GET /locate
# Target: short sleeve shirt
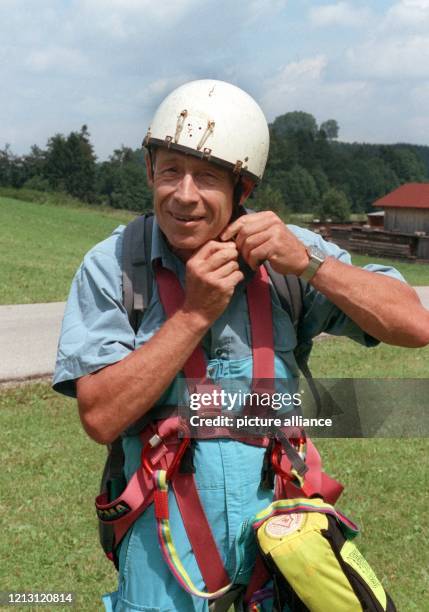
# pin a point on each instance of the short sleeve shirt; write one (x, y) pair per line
(96, 333)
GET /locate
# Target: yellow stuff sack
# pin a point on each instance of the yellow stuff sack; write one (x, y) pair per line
(308, 547)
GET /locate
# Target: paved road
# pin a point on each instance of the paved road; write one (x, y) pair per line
(28, 340)
(29, 335)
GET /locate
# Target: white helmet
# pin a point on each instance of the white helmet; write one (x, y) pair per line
(216, 121)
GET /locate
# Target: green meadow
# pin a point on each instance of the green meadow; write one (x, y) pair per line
(51, 469)
(43, 242)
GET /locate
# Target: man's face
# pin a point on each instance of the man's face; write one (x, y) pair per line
(193, 200)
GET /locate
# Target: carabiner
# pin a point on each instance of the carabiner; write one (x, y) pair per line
(176, 459)
(276, 456)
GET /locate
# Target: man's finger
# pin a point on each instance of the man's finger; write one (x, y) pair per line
(253, 241)
(234, 278)
(247, 224)
(225, 270)
(232, 230)
(220, 258)
(259, 254)
(213, 246)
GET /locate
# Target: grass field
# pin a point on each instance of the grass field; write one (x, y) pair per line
(50, 469)
(416, 274)
(342, 358)
(50, 474)
(42, 245)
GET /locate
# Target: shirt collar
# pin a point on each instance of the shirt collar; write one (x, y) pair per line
(161, 250)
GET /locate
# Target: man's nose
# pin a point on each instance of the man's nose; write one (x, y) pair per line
(187, 191)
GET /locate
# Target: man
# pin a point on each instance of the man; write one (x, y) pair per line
(208, 146)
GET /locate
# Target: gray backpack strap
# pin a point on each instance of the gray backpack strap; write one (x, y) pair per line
(113, 482)
(136, 295)
(137, 275)
(290, 290)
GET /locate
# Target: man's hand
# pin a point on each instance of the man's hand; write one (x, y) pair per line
(212, 274)
(264, 237)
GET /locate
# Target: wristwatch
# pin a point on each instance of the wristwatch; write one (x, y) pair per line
(317, 257)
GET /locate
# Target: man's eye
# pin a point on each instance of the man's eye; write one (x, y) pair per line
(208, 176)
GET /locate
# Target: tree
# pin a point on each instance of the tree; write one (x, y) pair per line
(6, 157)
(268, 198)
(334, 206)
(80, 180)
(70, 164)
(297, 121)
(35, 164)
(123, 180)
(299, 190)
(407, 166)
(331, 129)
(57, 162)
(366, 179)
(321, 180)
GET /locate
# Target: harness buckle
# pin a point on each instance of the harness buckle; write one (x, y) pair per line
(297, 444)
(155, 441)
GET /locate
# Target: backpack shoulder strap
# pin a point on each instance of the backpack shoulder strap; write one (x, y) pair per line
(136, 295)
(136, 269)
(290, 290)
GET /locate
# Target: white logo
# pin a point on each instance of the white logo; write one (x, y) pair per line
(283, 525)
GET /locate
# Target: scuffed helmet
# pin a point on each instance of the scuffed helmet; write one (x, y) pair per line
(216, 121)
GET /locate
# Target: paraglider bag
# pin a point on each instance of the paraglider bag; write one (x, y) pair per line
(307, 545)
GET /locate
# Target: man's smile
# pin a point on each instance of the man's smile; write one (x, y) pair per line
(186, 218)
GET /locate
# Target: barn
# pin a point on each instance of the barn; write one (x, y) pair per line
(406, 209)
(400, 230)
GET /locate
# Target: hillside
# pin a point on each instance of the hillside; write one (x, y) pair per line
(42, 246)
(309, 170)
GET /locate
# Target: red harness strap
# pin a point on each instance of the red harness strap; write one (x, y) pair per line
(261, 323)
(172, 296)
(194, 519)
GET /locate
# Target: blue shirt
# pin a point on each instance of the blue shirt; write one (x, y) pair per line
(96, 333)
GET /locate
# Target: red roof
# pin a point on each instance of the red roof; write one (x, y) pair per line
(411, 195)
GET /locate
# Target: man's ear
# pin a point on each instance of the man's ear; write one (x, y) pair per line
(149, 169)
(247, 188)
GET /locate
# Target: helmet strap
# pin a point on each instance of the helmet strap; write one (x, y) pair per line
(238, 192)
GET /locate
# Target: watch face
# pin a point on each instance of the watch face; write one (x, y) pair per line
(316, 253)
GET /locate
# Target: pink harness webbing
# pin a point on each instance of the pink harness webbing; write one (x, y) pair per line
(193, 515)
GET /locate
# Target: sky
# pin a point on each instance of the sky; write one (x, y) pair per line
(109, 63)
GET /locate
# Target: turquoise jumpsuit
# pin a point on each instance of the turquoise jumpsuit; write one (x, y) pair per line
(96, 333)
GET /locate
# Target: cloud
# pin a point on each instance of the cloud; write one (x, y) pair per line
(398, 45)
(58, 59)
(257, 9)
(119, 19)
(404, 57)
(412, 15)
(156, 90)
(339, 14)
(109, 63)
(304, 85)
